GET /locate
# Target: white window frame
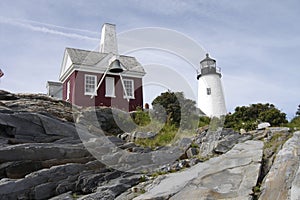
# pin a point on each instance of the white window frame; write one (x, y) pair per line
(93, 91)
(132, 88)
(110, 87)
(68, 89)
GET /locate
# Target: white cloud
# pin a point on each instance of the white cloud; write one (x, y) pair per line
(44, 29)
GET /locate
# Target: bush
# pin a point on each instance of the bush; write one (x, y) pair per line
(141, 118)
(298, 111)
(203, 121)
(295, 123)
(248, 117)
(179, 111)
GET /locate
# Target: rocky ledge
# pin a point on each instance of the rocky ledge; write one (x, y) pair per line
(45, 153)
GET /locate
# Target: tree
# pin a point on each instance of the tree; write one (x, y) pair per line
(179, 110)
(298, 111)
(248, 117)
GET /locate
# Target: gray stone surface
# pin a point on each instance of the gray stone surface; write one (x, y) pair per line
(113, 188)
(142, 135)
(295, 189)
(42, 151)
(64, 196)
(35, 127)
(219, 141)
(236, 173)
(282, 181)
(41, 156)
(191, 152)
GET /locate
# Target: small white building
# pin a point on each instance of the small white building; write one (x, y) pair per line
(54, 89)
(211, 99)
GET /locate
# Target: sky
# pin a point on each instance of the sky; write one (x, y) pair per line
(256, 43)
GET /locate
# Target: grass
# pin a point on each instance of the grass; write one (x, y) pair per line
(277, 140)
(165, 137)
(158, 173)
(167, 134)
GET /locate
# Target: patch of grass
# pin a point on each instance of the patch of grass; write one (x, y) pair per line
(142, 191)
(277, 140)
(75, 196)
(141, 118)
(194, 145)
(167, 135)
(143, 178)
(256, 191)
(164, 137)
(158, 173)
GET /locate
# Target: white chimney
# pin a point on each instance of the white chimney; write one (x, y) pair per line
(108, 42)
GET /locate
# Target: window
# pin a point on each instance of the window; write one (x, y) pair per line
(68, 89)
(129, 87)
(110, 87)
(90, 85)
(208, 91)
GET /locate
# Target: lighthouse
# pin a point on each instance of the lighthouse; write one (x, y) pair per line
(210, 92)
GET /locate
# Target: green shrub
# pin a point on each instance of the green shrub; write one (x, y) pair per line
(141, 118)
(295, 123)
(179, 111)
(248, 117)
(203, 121)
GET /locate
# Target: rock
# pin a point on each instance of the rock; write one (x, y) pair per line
(279, 129)
(128, 146)
(43, 157)
(236, 173)
(35, 127)
(242, 131)
(141, 149)
(191, 152)
(263, 125)
(19, 169)
(4, 95)
(45, 151)
(37, 103)
(113, 188)
(39, 182)
(142, 135)
(109, 120)
(219, 141)
(64, 196)
(88, 182)
(259, 134)
(44, 191)
(132, 137)
(207, 142)
(295, 189)
(125, 136)
(281, 182)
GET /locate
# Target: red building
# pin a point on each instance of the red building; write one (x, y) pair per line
(87, 80)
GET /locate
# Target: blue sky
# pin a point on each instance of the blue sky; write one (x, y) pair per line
(256, 43)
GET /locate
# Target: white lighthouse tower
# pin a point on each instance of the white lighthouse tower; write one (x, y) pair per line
(210, 92)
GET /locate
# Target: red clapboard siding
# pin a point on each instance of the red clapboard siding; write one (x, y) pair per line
(77, 96)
